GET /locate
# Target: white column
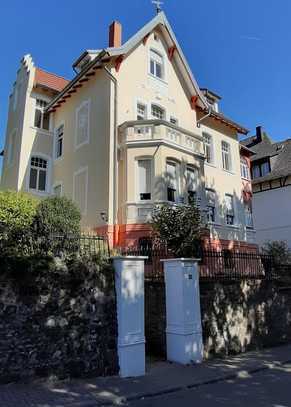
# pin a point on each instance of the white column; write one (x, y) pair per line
(129, 282)
(184, 331)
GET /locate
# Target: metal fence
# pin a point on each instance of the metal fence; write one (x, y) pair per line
(82, 244)
(214, 265)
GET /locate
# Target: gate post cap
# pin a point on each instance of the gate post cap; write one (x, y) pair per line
(129, 257)
(183, 259)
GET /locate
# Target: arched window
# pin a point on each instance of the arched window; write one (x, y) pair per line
(38, 174)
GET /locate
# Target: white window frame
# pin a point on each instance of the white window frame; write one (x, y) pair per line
(11, 147)
(224, 153)
(48, 174)
(163, 65)
(211, 147)
(76, 173)
(144, 158)
(230, 213)
(160, 107)
(87, 140)
(209, 205)
(195, 170)
(244, 169)
(42, 99)
(177, 164)
(140, 102)
(57, 184)
(56, 139)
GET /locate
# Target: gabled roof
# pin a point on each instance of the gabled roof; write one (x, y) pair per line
(49, 80)
(161, 21)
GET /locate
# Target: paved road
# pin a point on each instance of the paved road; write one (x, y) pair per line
(268, 388)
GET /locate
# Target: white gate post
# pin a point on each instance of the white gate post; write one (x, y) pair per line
(129, 282)
(184, 331)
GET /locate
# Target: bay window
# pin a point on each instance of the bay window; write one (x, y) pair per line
(144, 179)
(158, 112)
(141, 111)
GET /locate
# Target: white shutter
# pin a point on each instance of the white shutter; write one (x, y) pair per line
(144, 176)
(172, 175)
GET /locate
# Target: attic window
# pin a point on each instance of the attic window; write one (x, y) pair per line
(157, 66)
(156, 37)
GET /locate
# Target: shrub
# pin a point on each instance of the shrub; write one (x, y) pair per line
(179, 227)
(279, 250)
(56, 217)
(17, 212)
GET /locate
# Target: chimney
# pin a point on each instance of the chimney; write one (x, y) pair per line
(115, 35)
(259, 134)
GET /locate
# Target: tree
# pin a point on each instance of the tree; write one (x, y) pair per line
(17, 212)
(279, 250)
(179, 227)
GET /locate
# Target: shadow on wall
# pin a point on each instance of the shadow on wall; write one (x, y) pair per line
(242, 315)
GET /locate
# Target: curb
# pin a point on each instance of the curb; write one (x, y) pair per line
(123, 400)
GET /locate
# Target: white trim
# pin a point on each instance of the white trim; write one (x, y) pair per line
(48, 174)
(58, 184)
(45, 99)
(161, 107)
(87, 141)
(140, 101)
(62, 123)
(78, 172)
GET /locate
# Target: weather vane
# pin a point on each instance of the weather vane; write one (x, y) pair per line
(158, 4)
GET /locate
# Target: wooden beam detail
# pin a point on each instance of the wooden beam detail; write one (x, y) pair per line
(145, 39)
(77, 86)
(171, 52)
(90, 74)
(84, 80)
(118, 62)
(193, 102)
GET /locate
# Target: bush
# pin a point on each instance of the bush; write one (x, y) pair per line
(17, 212)
(179, 227)
(279, 250)
(56, 217)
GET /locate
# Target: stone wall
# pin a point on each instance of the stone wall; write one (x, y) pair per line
(236, 316)
(57, 319)
(239, 316)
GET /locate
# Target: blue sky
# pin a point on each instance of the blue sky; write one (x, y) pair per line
(239, 49)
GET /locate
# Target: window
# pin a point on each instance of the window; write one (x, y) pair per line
(157, 68)
(171, 173)
(82, 124)
(141, 111)
(191, 180)
(144, 179)
(261, 169)
(11, 147)
(80, 189)
(244, 168)
(229, 209)
(174, 121)
(57, 190)
(38, 174)
(226, 158)
(208, 147)
(158, 112)
(210, 196)
(41, 119)
(59, 141)
(248, 214)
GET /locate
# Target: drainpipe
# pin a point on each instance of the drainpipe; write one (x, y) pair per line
(115, 191)
(204, 117)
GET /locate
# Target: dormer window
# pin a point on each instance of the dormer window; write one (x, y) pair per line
(157, 67)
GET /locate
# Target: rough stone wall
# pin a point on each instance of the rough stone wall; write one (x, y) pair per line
(53, 322)
(239, 316)
(236, 316)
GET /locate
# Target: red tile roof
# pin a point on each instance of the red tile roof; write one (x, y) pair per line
(49, 80)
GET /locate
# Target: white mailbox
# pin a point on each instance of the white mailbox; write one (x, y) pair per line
(184, 331)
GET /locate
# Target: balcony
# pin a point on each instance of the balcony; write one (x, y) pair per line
(160, 131)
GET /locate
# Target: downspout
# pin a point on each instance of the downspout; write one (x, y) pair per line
(204, 117)
(115, 175)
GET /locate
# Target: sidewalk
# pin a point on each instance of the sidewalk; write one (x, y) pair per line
(161, 378)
